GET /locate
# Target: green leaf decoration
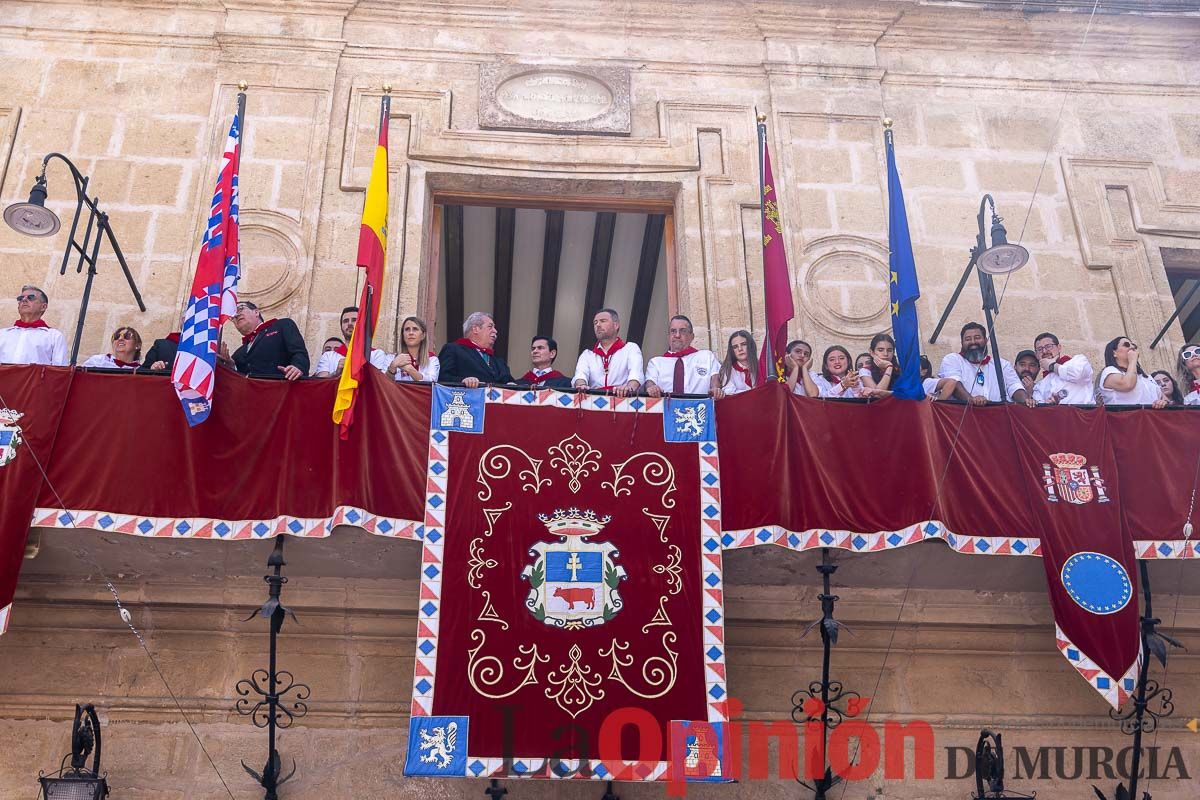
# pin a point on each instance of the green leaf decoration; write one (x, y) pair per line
(538, 576)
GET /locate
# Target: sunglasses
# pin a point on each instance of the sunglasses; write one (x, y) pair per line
(123, 335)
(23, 297)
(1191, 352)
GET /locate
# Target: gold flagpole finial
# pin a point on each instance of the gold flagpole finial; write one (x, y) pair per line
(762, 118)
(387, 88)
(242, 86)
(887, 123)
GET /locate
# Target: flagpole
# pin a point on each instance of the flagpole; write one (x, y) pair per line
(241, 115)
(768, 356)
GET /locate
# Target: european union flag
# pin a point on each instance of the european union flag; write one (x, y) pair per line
(902, 286)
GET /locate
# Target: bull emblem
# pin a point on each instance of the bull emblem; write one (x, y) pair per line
(573, 582)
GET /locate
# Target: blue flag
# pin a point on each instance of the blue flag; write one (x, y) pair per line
(902, 286)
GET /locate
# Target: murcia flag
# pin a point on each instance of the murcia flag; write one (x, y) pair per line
(372, 253)
(214, 289)
(777, 282)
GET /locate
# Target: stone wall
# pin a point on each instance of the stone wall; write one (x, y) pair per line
(993, 97)
(1084, 129)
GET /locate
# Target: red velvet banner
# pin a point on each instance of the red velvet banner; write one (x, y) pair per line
(572, 592)
(797, 472)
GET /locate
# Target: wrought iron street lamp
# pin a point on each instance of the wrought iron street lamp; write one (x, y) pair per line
(77, 782)
(32, 218)
(1001, 258)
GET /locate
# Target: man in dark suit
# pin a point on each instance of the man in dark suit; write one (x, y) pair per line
(542, 375)
(269, 348)
(161, 354)
(470, 360)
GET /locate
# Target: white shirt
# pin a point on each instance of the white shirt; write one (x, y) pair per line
(1145, 392)
(331, 361)
(623, 366)
(1192, 398)
(736, 384)
(930, 386)
(33, 346)
(954, 365)
(698, 371)
(107, 361)
(830, 389)
(1072, 379)
(429, 372)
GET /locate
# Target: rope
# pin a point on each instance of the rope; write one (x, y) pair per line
(123, 612)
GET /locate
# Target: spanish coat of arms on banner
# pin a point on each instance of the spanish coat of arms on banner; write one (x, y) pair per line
(571, 574)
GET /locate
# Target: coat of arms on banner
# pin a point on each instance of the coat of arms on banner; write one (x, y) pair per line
(1070, 476)
(10, 435)
(573, 582)
(437, 746)
(455, 409)
(688, 421)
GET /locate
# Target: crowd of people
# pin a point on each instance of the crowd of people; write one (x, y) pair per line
(275, 348)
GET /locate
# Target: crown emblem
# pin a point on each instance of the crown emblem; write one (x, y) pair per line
(574, 522)
(9, 416)
(1068, 460)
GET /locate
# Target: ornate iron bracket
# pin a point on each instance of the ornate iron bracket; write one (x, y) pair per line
(1151, 701)
(989, 769)
(829, 696)
(264, 695)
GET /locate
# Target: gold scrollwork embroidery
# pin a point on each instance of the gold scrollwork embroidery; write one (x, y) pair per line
(488, 612)
(489, 670)
(660, 617)
(658, 672)
(575, 458)
(496, 465)
(578, 688)
(660, 522)
(657, 472)
(493, 515)
(672, 570)
(477, 563)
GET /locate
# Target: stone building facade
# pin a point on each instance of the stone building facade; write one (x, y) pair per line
(1080, 120)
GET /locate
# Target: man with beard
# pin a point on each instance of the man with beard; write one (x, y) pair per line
(1027, 367)
(613, 365)
(330, 362)
(1065, 379)
(972, 367)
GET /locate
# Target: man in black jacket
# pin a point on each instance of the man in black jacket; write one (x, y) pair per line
(471, 360)
(161, 354)
(269, 347)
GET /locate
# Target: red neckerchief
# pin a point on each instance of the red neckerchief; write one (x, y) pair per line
(1196, 386)
(534, 378)
(687, 351)
(745, 373)
(37, 323)
(1060, 361)
(121, 363)
(465, 342)
(173, 337)
(605, 358)
(249, 337)
(835, 380)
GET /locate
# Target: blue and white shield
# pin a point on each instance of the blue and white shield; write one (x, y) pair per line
(689, 421)
(437, 746)
(455, 409)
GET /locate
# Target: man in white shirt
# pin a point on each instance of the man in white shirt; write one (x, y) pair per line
(30, 340)
(329, 365)
(682, 369)
(1065, 379)
(612, 365)
(972, 367)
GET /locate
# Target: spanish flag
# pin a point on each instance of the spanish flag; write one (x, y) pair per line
(372, 255)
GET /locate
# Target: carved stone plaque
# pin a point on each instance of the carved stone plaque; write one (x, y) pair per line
(560, 99)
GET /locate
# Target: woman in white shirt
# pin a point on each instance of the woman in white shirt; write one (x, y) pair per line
(836, 378)
(415, 361)
(1189, 366)
(739, 370)
(126, 351)
(880, 372)
(1123, 381)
